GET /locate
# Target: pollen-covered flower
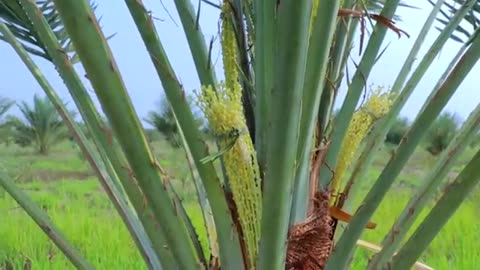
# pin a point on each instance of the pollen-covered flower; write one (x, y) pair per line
(224, 111)
(229, 48)
(362, 121)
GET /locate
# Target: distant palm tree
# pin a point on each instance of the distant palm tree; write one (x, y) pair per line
(5, 105)
(43, 126)
(164, 122)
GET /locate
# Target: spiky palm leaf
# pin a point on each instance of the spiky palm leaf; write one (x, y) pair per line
(472, 19)
(5, 105)
(14, 16)
(377, 6)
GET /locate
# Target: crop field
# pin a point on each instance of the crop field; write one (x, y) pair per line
(67, 189)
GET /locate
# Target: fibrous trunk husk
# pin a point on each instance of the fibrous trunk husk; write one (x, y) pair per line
(310, 242)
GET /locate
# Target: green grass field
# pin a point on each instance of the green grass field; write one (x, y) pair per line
(63, 184)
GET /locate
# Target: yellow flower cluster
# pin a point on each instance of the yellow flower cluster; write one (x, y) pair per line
(224, 111)
(362, 121)
(225, 114)
(229, 49)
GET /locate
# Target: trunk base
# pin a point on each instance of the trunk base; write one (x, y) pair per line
(310, 242)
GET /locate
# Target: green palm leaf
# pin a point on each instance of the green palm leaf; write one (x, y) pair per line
(14, 16)
(472, 19)
(377, 6)
(5, 105)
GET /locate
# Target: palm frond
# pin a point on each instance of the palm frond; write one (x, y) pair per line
(5, 105)
(376, 6)
(16, 19)
(472, 19)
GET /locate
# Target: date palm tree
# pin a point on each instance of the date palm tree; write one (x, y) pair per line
(163, 120)
(275, 202)
(5, 105)
(43, 126)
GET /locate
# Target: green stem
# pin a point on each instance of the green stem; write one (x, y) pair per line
(200, 190)
(417, 203)
(196, 42)
(330, 95)
(106, 180)
(407, 65)
(375, 139)
(455, 59)
(96, 127)
(42, 220)
(188, 222)
(318, 52)
(354, 92)
(248, 95)
(102, 71)
(229, 242)
(346, 243)
(340, 52)
(207, 218)
(199, 52)
(265, 50)
(345, 29)
(454, 195)
(301, 190)
(286, 107)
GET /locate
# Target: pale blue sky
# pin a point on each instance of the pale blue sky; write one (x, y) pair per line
(145, 88)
